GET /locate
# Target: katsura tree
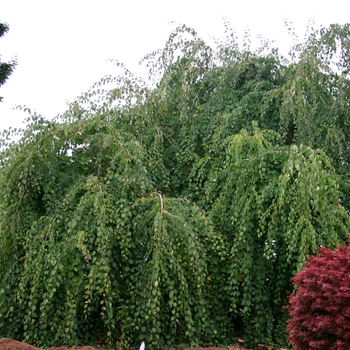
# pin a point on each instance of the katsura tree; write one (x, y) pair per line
(177, 209)
(89, 250)
(274, 205)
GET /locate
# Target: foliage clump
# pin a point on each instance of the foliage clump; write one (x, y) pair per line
(6, 68)
(320, 308)
(177, 210)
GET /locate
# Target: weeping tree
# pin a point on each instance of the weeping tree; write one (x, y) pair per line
(269, 203)
(177, 209)
(97, 252)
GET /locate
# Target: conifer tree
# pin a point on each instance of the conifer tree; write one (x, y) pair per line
(6, 68)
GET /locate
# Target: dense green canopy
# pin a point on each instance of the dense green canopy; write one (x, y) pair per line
(177, 210)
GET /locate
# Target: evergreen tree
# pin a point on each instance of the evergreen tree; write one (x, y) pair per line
(6, 68)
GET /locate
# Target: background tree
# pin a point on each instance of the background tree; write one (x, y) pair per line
(177, 210)
(6, 68)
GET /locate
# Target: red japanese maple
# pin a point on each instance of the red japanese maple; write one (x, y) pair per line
(320, 308)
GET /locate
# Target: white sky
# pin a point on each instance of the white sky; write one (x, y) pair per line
(62, 46)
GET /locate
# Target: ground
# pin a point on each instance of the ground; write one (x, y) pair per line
(10, 344)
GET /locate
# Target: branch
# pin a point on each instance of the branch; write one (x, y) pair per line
(161, 201)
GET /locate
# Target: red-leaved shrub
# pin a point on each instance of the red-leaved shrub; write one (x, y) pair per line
(320, 308)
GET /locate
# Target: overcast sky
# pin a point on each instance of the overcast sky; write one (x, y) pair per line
(63, 46)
